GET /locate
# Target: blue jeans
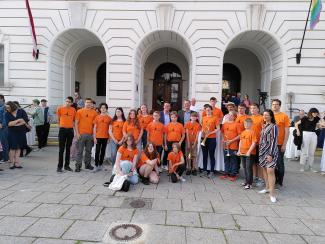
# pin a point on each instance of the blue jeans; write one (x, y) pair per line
(126, 167)
(4, 141)
(231, 163)
(114, 148)
(209, 148)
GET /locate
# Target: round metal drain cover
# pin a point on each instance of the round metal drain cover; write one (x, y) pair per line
(138, 203)
(126, 232)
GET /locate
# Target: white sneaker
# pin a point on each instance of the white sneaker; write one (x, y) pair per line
(273, 199)
(182, 179)
(164, 167)
(96, 169)
(263, 191)
(322, 173)
(160, 169)
(302, 170)
(313, 170)
(100, 168)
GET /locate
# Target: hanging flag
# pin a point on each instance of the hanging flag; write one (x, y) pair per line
(32, 31)
(316, 8)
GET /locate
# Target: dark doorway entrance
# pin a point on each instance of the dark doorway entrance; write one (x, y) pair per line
(231, 79)
(167, 87)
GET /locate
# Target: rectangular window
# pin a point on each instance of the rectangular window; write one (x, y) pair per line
(2, 74)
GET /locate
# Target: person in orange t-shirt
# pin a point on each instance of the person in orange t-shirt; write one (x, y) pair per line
(116, 132)
(210, 125)
(145, 119)
(247, 151)
(126, 160)
(84, 125)
(132, 127)
(283, 123)
(66, 116)
(101, 126)
(241, 116)
(176, 163)
(148, 164)
(155, 132)
(231, 131)
(192, 129)
(174, 132)
(217, 112)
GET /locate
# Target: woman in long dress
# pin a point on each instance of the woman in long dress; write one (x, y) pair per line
(268, 152)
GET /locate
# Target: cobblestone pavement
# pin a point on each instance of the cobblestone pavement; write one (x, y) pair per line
(38, 205)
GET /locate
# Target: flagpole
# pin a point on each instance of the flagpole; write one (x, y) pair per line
(298, 55)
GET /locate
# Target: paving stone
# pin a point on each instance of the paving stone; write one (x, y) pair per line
(244, 237)
(317, 226)
(212, 196)
(133, 192)
(4, 184)
(190, 187)
(108, 201)
(315, 213)
(181, 195)
(206, 236)
(110, 215)
(21, 196)
(183, 218)
(75, 180)
(283, 239)
(83, 212)
(18, 208)
(51, 197)
(49, 210)
(166, 204)
(314, 239)
(101, 190)
(79, 199)
(149, 216)
(197, 206)
(4, 193)
(86, 231)
(46, 227)
(289, 226)
(3, 203)
(16, 240)
(52, 179)
(258, 210)
(15, 225)
(235, 197)
(77, 188)
(253, 223)
(38, 187)
(229, 207)
(290, 212)
(54, 241)
(160, 234)
(212, 220)
(154, 193)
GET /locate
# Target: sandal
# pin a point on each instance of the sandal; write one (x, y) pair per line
(106, 184)
(12, 167)
(18, 167)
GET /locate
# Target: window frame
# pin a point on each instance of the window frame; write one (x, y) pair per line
(4, 41)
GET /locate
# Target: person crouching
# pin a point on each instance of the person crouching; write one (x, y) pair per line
(176, 163)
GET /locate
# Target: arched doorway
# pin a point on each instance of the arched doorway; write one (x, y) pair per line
(259, 58)
(74, 57)
(231, 79)
(167, 87)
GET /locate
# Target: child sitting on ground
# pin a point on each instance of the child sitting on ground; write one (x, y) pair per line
(176, 163)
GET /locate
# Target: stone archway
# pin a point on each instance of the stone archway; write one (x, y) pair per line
(64, 53)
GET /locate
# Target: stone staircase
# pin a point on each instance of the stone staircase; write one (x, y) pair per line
(53, 135)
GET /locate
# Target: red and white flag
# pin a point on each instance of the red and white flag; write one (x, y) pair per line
(32, 31)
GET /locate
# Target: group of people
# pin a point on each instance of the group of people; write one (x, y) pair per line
(144, 143)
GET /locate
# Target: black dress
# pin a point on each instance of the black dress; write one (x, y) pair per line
(16, 134)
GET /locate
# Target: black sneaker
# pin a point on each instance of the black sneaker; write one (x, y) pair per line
(194, 172)
(90, 167)
(67, 168)
(77, 169)
(59, 170)
(145, 181)
(28, 151)
(188, 172)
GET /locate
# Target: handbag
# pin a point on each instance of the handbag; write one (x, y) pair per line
(117, 182)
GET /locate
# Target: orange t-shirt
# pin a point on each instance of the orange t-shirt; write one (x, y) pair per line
(192, 130)
(247, 138)
(240, 120)
(144, 121)
(174, 158)
(282, 121)
(174, 131)
(85, 118)
(130, 128)
(230, 130)
(143, 160)
(66, 116)
(210, 124)
(127, 154)
(117, 129)
(156, 133)
(102, 124)
(217, 112)
(257, 125)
